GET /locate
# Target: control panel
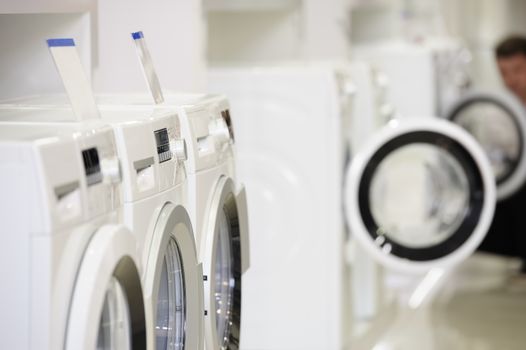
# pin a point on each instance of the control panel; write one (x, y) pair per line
(90, 158)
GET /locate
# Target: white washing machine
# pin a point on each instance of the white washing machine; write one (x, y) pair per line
(371, 290)
(497, 120)
(217, 206)
(71, 273)
(172, 275)
(154, 208)
(290, 143)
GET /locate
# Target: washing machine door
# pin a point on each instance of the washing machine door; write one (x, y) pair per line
(173, 283)
(225, 260)
(497, 120)
(107, 307)
(421, 194)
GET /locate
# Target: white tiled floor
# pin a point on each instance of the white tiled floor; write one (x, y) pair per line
(481, 306)
(493, 319)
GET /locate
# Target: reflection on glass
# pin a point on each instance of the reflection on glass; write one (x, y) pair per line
(419, 195)
(495, 129)
(171, 311)
(224, 280)
(115, 323)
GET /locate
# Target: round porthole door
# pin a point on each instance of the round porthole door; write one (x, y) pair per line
(224, 263)
(420, 194)
(497, 120)
(107, 307)
(173, 283)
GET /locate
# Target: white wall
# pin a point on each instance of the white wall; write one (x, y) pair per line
(174, 32)
(47, 6)
(326, 26)
(26, 65)
(253, 36)
(298, 30)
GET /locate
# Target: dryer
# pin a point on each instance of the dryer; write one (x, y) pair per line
(154, 208)
(71, 273)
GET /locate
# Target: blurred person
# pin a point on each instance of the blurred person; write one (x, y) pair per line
(511, 60)
(507, 234)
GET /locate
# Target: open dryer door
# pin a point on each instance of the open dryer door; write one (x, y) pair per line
(173, 283)
(223, 265)
(107, 309)
(421, 194)
(497, 120)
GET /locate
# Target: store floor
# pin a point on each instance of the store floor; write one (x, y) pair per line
(479, 306)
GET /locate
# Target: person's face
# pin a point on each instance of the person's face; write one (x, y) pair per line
(513, 71)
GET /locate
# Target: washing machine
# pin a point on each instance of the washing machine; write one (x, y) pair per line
(497, 120)
(291, 157)
(156, 207)
(154, 199)
(217, 206)
(172, 275)
(71, 272)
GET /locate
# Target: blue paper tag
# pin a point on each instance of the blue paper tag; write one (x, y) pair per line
(60, 42)
(137, 35)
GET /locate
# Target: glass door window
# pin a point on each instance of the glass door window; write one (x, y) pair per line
(224, 279)
(115, 323)
(171, 301)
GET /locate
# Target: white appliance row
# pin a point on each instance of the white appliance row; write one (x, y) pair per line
(416, 195)
(126, 230)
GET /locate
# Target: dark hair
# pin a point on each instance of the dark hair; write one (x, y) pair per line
(511, 46)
